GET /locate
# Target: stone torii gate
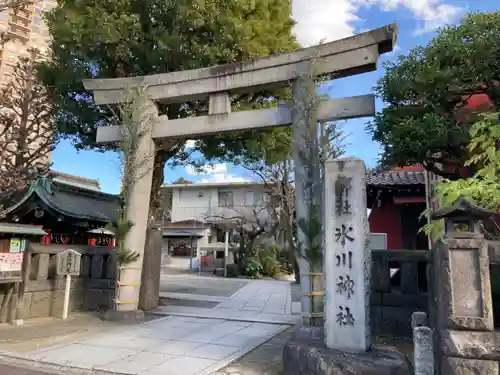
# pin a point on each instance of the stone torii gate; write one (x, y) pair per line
(354, 55)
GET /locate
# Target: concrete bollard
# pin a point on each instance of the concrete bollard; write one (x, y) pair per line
(423, 351)
(418, 319)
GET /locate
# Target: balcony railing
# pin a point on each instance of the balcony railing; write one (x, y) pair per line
(26, 16)
(214, 214)
(20, 24)
(18, 33)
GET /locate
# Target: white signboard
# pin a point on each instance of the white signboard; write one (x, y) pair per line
(11, 261)
(68, 263)
(378, 241)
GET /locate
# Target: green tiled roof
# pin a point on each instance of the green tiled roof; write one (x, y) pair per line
(21, 229)
(72, 201)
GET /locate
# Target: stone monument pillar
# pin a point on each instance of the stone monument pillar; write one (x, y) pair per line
(463, 294)
(347, 258)
(344, 347)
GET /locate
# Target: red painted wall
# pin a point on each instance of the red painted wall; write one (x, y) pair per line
(385, 219)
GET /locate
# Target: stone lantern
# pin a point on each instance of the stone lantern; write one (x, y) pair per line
(462, 292)
(462, 219)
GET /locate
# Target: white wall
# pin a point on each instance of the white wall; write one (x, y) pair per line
(200, 202)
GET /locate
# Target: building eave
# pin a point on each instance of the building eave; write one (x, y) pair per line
(49, 192)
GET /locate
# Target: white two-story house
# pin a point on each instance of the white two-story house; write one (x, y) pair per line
(199, 216)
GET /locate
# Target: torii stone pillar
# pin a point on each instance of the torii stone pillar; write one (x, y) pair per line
(350, 56)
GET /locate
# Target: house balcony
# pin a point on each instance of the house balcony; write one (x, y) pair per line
(219, 214)
(14, 30)
(20, 24)
(24, 15)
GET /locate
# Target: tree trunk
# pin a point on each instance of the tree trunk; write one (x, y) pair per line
(158, 177)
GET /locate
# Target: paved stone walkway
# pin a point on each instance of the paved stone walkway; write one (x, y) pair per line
(200, 285)
(190, 343)
(265, 301)
(264, 360)
(171, 346)
(9, 370)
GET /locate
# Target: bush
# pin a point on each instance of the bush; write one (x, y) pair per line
(271, 267)
(266, 261)
(284, 259)
(253, 267)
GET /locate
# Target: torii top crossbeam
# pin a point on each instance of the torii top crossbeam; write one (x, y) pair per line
(349, 56)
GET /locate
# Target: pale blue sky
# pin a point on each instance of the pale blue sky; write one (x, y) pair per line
(317, 20)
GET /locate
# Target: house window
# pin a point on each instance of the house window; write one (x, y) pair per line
(256, 198)
(225, 199)
(221, 235)
(249, 198)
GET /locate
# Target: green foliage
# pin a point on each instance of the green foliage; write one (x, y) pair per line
(264, 261)
(312, 248)
(181, 181)
(124, 256)
(124, 38)
(253, 267)
(425, 89)
(270, 264)
(484, 188)
(485, 135)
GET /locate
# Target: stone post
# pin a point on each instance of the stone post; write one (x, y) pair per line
(418, 319)
(463, 293)
(347, 256)
(145, 112)
(226, 250)
(151, 271)
(423, 352)
(305, 154)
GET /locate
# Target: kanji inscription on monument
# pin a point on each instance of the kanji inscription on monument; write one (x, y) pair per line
(342, 205)
(345, 285)
(347, 256)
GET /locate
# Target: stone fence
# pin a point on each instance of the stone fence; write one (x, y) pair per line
(44, 292)
(399, 288)
(494, 252)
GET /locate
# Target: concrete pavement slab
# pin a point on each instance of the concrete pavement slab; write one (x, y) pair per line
(198, 341)
(16, 370)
